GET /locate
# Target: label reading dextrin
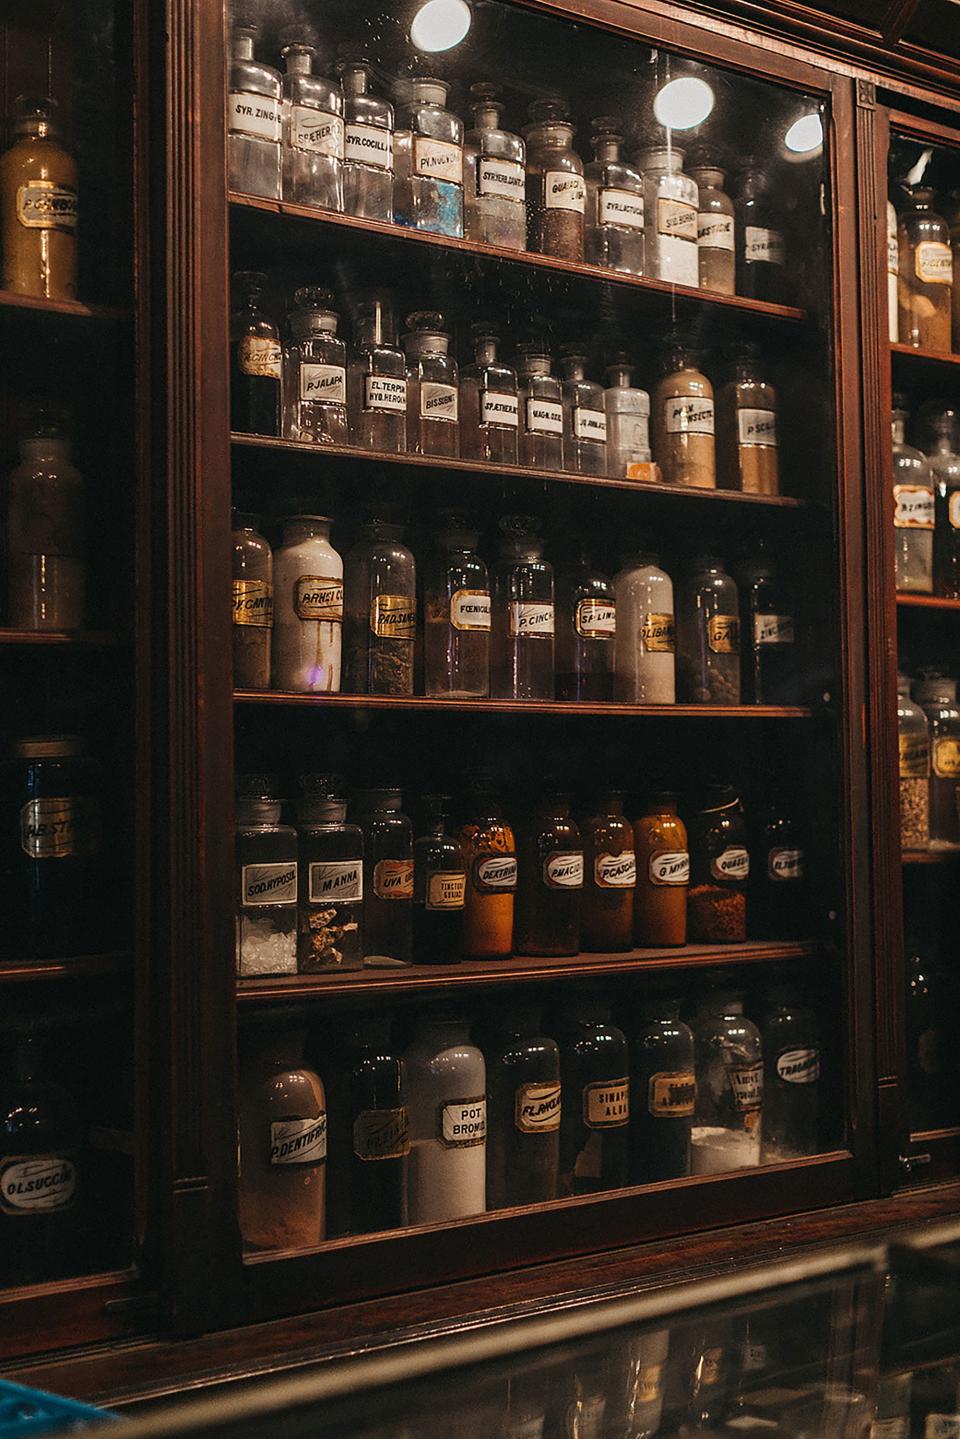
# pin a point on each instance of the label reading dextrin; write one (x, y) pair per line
(498, 409)
(318, 597)
(785, 865)
(596, 619)
(42, 205)
(254, 115)
(763, 245)
(953, 510)
(913, 507)
(677, 219)
(731, 863)
(470, 610)
(259, 356)
(620, 207)
(563, 870)
(446, 890)
(394, 617)
(60, 828)
(747, 1086)
(500, 179)
(299, 1141)
(563, 191)
(657, 634)
(323, 384)
(463, 1122)
(934, 262)
(533, 621)
(393, 879)
(438, 402)
(773, 629)
(671, 1092)
(381, 1134)
(335, 881)
(368, 145)
(669, 867)
(544, 417)
(799, 1066)
(688, 415)
(946, 757)
(267, 884)
(723, 634)
(714, 232)
(914, 756)
(495, 873)
(537, 1108)
(589, 424)
(757, 428)
(36, 1183)
(253, 603)
(437, 160)
(606, 1104)
(615, 871)
(383, 392)
(316, 131)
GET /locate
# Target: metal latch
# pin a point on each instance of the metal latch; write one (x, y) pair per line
(910, 1162)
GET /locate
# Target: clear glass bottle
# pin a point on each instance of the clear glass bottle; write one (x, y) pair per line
(584, 417)
(315, 372)
(586, 625)
(893, 273)
(490, 853)
(747, 454)
(708, 634)
(769, 671)
(925, 287)
(439, 888)
(428, 186)
(670, 208)
(387, 874)
(330, 878)
(937, 696)
(952, 216)
(377, 379)
(779, 893)
(494, 176)
(456, 621)
(312, 132)
(46, 538)
(252, 604)
(380, 612)
(549, 880)
(716, 251)
(489, 409)
(729, 1106)
(522, 661)
(446, 1083)
(308, 608)
(266, 857)
(523, 1111)
(614, 232)
(541, 408)
(609, 875)
(914, 510)
(663, 874)
(792, 1088)
(253, 120)
(645, 644)
(38, 205)
(944, 466)
(683, 419)
(255, 360)
(761, 249)
(595, 1119)
(914, 744)
(662, 1097)
(433, 387)
(628, 425)
(556, 189)
(719, 869)
(367, 145)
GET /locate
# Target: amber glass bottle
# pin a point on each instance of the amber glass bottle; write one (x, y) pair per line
(38, 205)
(609, 875)
(663, 874)
(490, 855)
(594, 1071)
(550, 880)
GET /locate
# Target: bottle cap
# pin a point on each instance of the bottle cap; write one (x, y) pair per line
(372, 799)
(321, 786)
(256, 787)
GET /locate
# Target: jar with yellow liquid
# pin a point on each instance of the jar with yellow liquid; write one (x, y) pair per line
(38, 205)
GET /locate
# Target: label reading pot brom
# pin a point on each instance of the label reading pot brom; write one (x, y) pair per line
(463, 1122)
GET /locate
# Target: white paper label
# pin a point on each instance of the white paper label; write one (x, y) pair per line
(463, 1122)
(785, 865)
(495, 872)
(677, 219)
(437, 160)
(934, 262)
(606, 1104)
(323, 384)
(763, 245)
(564, 870)
(537, 1108)
(446, 889)
(497, 409)
(438, 402)
(620, 207)
(544, 417)
(589, 424)
(733, 863)
(615, 871)
(773, 629)
(316, 131)
(268, 884)
(299, 1141)
(470, 610)
(747, 1086)
(714, 232)
(368, 145)
(893, 247)
(36, 1182)
(689, 415)
(563, 191)
(318, 597)
(383, 392)
(500, 179)
(670, 867)
(335, 881)
(42, 205)
(254, 115)
(595, 619)
(757, 427)
(534, 621)
(799, 1066)
(913, 507)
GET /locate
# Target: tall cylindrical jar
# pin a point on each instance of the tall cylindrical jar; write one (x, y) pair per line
(490, 853)
(662, 1094)
(252, 604)
(312, 130)
(747, 453)
(314, 386)
(914, 744)
(446, 1085)
(683, 420)
(708, 634)
(38, 205)
(380, 613)
(307, 608)
(670, 211)
(267, 887)
(522, 661)
(729, 1107)
(937, 695)
(46, 543)
(609, 875)
(523, 1097)
(330, 879)
(595, 1122)
(253, 119)
(549, 881)
(541, 408)
(926, 275)
(645, 644)
(663, 874)
(456, 622)
(556, 189)
(387, 874)
(715, 229)
(914, 510)
(719, 869)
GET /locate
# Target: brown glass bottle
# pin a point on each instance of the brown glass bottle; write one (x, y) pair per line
(663, 874)
(490, 855)
(549, 881)
(609, 875)
(720, 869)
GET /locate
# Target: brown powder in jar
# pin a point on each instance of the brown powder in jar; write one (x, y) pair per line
(716, 915)
(560, 233)
(914, 813)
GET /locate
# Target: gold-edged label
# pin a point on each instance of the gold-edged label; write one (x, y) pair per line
(537, 1108)
(381, 1134)
(671, 1093)
(43, 205)
(253, 603)
(657, 634)
(723, 634)
(318, 597)
(394, 617)
(946, 758)
(914, 756)
(55, 828)
(606, 1105)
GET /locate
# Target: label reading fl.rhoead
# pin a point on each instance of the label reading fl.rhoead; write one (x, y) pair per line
(42, 205)
(723, 634)
(65, 827)
(437, 160)
(785, 866)
(670, 1093)
(746, 1084)
(615, 871)
(499, 409)
(537, 1108)
(495, 873)
(733, 863)
(438, 402)
(299, 1141)
(323, 384)
(531, 621)
(368, 145)
(773, 629)
(946, 757)
(761, 245)
(500, 179)
(620, 207)
(606, 1104)
(589, 424)
(657, 634)
(446, 889)
(913, 507)
(384, 392)
(463, 1122)
(258, 355)
(714, 232)
(670, 867)
(318, 597)
(470, 610)
(36, 1183)
(381, 1134)
(393, 879)
(268, 884)
(799, 1066)
(394, 617)
(255, 115)
(914, 756)
(934, 262)
(688, 415)
(335, 881)
(596, 619)
(544, 417)
(316, 131)
(757, 428)
(253, 603)
(563, 191)
(563, 870)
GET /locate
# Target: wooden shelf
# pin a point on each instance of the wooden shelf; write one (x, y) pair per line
(63, 309)
(481, 974)
(929, 856)
(91, 639)
(927, 602)
(561, 708)
(662, 288)
(84, 966)
(924, 357)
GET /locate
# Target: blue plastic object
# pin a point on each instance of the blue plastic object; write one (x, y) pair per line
(25, 1412)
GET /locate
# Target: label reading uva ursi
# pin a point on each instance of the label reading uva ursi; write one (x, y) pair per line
(463, 1122)
(495, 873)
(258, 355)
(253, 603)
(620, 207)
(446, 890)
(596, 619)
(799, 1066)
(671, 1093)
(606, 1104)
(733, 863)
(335, 881)
(36, 1183)
(438, 402)
(384, 392)
(323, 384)
(537, 1108)
(544, 417)
(42, 205)
(564, 191)
(268, 884)
(60, 828)
(470, 610)
(381, 1134)
(688, 415)
(723, 634)
(394, 617)
(757, 428)
(500, 410)
(318, 597)
(393, 879)
(563, 870)
(669, 867)
(500, 179)
(657, 634)
(299, 1141)
(615, 871)
(785, 866)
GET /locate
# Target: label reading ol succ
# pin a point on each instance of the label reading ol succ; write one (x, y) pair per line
(757, 428)
(299, 1141)
(438, 401)
(495, 873)
(381, 1134)
(773, 629)
(606, 1104)
(676, 219)
(267, 884)
(335, 881)
(394, 617)
(60, 828)
(463, 1122)
(368, 145)
(42, 205)
(799, 1066)
(393, 879)
(723, 634)
(563, 870)
(670, 867)
(714, 232)
(620, 207)
(589, 424)
(537, 1108)
(914, 756)
(596, 619)
(913, 507)
(934, 262)
(500, 179)
(318, 597)
(688, 415)
(657, 634)
(253, 603)
(36, 1183)
(544, 417)
(615, 871)
(732, 863)
(746, 1084)
(254, 115)
(763, 245)
(564, 191)
(258, 355)
(437, 160)
(316, 131)
(946, 757)
(384, 392)
(323, 384)
(531, 621)
(499, 409)
(446, 889)
(470, 610)
(671, 1092)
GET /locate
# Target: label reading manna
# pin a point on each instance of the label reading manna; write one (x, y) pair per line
(620, 207)
(438, 402)
(723, 634)
(381, 1134)
(657, 634)
(757, 428)
(318, 597)
(563, 191)
(606, 1104)
(394, 617)
(615, 871)
(393, 879)
(260, 356)
(496, 873)
(596, 619)
(732, 863)
(446, 890)
(563, 870)
(36, 1183)
(913, 507)
(688, 415)
(299, 1141)
(470, 610)
(463, 1122)
(669, 867)
(799, 1066)
(670, 1093)
(268, 884)
(42, 205)
(335, 881)
(529, 620)
(384, 392)
(253, 603)
(537, 1108)
(323, 384)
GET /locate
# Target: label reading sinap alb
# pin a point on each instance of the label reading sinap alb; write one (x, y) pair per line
(299, 1141)
(268, 884)
(463, 1122)
(606, 1104)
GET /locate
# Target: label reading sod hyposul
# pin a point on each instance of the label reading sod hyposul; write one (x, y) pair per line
(262, 884)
